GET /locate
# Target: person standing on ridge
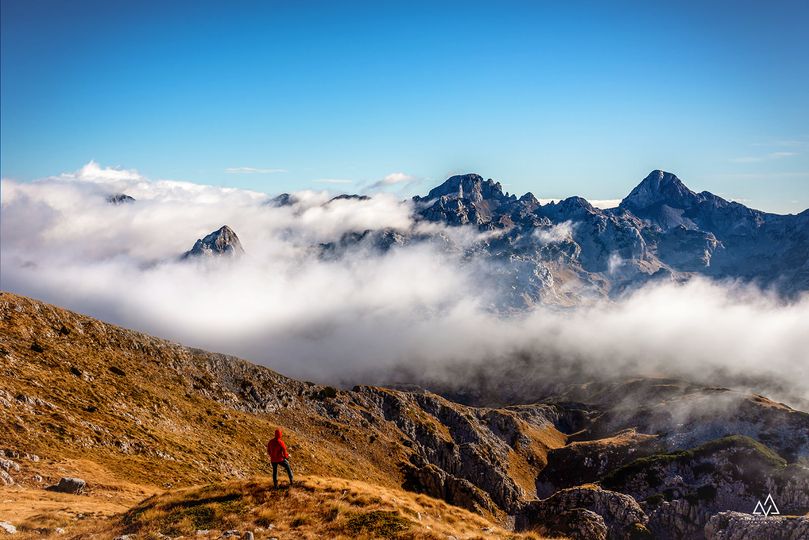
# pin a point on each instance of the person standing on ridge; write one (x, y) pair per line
(278, 456)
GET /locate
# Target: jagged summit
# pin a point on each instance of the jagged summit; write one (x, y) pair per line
(120, 198)
(659, 187)
(468, 186)
(220, 242)
(468, 198)
(572, 204)
(349, 197)
(284, 199)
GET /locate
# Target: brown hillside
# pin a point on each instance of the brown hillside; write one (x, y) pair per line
(134, 415)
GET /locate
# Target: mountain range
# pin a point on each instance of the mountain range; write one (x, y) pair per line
(563, 251)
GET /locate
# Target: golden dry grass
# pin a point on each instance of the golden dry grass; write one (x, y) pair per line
(316, 507)
(134, 415)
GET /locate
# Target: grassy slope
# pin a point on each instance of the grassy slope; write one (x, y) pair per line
(149, 423)
(316, 507)
(133, 415)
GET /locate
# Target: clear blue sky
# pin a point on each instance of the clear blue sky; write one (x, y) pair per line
(558, 98)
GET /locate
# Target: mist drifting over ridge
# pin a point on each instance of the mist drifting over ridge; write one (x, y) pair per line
(366, 315)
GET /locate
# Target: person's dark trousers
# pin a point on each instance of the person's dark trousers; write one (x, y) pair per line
(284, 464)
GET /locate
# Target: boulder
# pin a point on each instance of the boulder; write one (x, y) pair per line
(69, 485)
(5, 478)
(8, 465)
(578, 524)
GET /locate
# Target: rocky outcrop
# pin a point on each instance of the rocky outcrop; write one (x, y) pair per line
(577, 524)
(583, 462)
(75, 486)
(681, 490)
(8, 466)
(222, 242)
(738, 526)
(466, 444)
(436, 482)
(620, 513)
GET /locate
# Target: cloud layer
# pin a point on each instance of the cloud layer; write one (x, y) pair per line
(366, 316)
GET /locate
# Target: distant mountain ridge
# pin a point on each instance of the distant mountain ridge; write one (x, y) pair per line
(561, 251)
(661, 230)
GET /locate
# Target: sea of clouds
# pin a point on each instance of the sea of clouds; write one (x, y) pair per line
(415, 311)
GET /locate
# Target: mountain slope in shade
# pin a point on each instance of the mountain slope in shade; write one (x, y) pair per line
(135, 415)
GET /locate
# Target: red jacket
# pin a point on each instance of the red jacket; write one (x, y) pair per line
(277, 449)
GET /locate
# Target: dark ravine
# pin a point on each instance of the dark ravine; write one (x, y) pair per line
(590, 468)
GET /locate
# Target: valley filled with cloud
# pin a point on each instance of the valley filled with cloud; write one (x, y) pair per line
(413, 313)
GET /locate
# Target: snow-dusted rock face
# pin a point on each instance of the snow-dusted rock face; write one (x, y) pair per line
(222, 242)
(657, 190)
(558, 252)
(561, 252)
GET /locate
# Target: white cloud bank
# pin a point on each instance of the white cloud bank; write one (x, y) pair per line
(358, 317)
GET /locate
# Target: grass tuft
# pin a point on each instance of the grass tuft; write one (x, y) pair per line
(378, 523)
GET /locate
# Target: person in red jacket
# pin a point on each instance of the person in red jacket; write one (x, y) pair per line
(278, 456)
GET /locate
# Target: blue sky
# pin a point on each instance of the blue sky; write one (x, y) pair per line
(556, 98)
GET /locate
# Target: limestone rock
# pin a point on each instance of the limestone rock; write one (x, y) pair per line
(620, 513)
(75, 486)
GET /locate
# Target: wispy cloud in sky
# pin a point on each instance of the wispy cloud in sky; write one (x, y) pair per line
(253, 170)
(767, 157)
(394, 179)
(784, 143)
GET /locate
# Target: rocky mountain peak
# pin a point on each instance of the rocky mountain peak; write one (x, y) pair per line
(468, 186)
(120, 198)
(570, 208)
(528, 198)
(659, 187)
(349, 197)
(284, 199)
(222, 241)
